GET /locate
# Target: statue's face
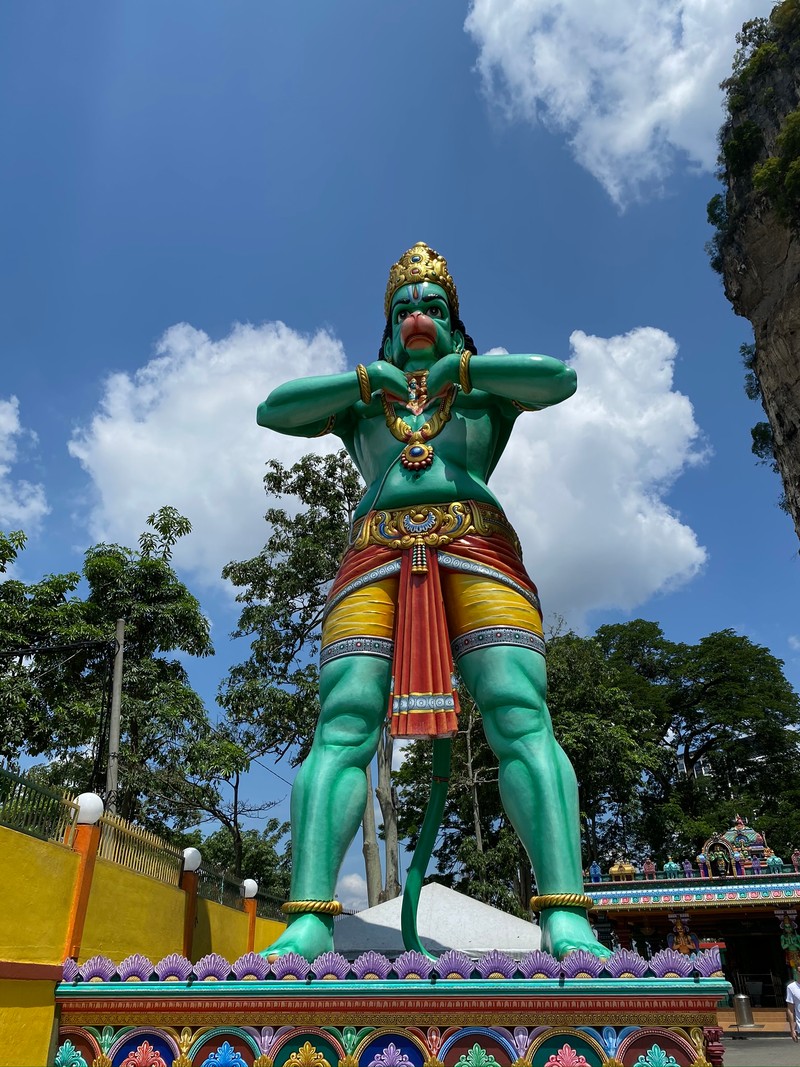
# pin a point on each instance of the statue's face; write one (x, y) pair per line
(420, 325)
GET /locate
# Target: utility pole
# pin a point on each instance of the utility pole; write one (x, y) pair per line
(112, 771)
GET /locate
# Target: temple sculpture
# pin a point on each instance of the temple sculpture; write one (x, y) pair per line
(433, 578)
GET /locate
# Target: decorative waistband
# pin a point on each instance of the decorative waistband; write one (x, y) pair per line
(433, 525)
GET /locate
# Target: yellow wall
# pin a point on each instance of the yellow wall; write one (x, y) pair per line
(267, 931)
(129, 912)
(38, 885)
(219, 929)
(27, 1023)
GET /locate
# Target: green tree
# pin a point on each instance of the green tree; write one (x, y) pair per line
(263, 855)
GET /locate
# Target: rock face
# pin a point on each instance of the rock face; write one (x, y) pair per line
(757, 248)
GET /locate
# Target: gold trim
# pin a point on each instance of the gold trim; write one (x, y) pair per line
(327, 427)
(444, 523)
(363, 383)
(312, 907)
(464, 377)
(420, 264)
(561, 900)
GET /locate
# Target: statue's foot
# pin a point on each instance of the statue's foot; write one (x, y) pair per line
(566, 930)
(308, 935)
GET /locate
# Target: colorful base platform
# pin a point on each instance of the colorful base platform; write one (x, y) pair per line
(501, 1022)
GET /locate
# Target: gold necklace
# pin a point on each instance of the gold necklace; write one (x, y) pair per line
(418, 454)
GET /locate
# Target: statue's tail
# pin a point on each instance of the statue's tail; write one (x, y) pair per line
(440, 778)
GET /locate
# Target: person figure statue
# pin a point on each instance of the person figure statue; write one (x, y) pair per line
(702, 863)
(796, 860)
(649, 869)
(433, 574)
(755, 864)
(688, 871)
(595, 873)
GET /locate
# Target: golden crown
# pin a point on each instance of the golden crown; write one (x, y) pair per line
(421, 264)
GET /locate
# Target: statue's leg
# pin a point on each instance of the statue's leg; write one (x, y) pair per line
(330, 791)
(537, 783)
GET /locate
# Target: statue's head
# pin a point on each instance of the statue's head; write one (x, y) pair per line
(421, 307)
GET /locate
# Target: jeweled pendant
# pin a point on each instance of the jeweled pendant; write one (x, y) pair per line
(417, 456)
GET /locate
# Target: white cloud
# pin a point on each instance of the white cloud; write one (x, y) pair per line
(634, 84)
(182, 431)
(594, 470)
(351, 891)
(794, 642)
(22, 504)
(584, 482)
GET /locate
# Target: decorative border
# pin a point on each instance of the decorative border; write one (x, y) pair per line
(469, 566)
(357, 646)
(706, 896)
(488, 636)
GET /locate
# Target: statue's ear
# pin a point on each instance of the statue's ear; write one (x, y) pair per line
(387, 350)
(458, 341)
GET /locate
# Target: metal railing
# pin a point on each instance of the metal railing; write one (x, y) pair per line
(139, 850)
(220, 886)
(35, 810)
(268, 906)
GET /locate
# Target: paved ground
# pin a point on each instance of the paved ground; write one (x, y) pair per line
(773, 1051)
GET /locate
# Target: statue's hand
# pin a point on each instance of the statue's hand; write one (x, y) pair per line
(383, 375)
(443, 373)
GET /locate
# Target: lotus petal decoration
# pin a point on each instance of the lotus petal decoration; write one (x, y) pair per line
(708, 963)
(135, 968)
(173, 968)
(330, 967)
(371, 965)
(251, 967)
(582, 964)
(671, 964)
(70, 971)
(626, 964)
(413, 965)
(496, 965)
(97, 969)
(212, 968)
(291, 967)
(539, 964)
(454, 964)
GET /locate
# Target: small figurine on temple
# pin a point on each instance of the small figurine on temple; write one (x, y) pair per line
(774, 863)
(702, 863)
(755, 865)
(719, 864)
(671, 868)
(622, 871)
(648, 869)
(738, 864)
(687, 869)
(796, 860)
(594, 871)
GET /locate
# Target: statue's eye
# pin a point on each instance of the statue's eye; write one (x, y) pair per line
(435, 313)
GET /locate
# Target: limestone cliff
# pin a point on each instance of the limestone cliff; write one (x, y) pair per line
(757, 247)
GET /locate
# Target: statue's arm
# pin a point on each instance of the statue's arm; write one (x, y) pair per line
(534, 382)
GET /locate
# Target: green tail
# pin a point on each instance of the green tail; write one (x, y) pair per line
(427, 839)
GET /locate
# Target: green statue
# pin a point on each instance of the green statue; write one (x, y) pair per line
(433, 575)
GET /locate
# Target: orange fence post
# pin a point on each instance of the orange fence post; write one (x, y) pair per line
(189, 883)
(87, 838)
(250, 904)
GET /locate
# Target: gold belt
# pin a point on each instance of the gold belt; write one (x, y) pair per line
(433, 525)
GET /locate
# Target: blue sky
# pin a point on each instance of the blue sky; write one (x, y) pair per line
(203, 199)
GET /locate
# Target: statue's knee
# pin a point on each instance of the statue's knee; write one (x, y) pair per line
(352, 714)
(514, 730)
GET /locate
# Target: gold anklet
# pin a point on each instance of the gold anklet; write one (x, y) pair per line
(363, 383)
(561, 900)
(313, 907)
(464, 378)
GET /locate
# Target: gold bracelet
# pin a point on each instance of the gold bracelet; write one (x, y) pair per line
(363, 383)
(561, 900)
(464, 379)
(314, 907)
(327, 427)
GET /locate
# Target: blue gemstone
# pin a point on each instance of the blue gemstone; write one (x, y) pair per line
(417, 450)
(416, 259)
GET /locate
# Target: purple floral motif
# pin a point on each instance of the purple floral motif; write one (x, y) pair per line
(539, 964)
(671, 964)
(413, 965)
(173, 968)
(212, 968)
(708, 964)
(291, 967)
(496, 965)
(135, 968)
(391, 1056)
(71, 972)
(454, 964)
(371, 965)
(251, 967)
(582, 964)
(97, 969)
(330, 967)
(626, 964)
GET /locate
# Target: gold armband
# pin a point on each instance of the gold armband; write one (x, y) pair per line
(363, 383)
(464, 379)
(561, 900)
(327, 427)
(314, 907)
